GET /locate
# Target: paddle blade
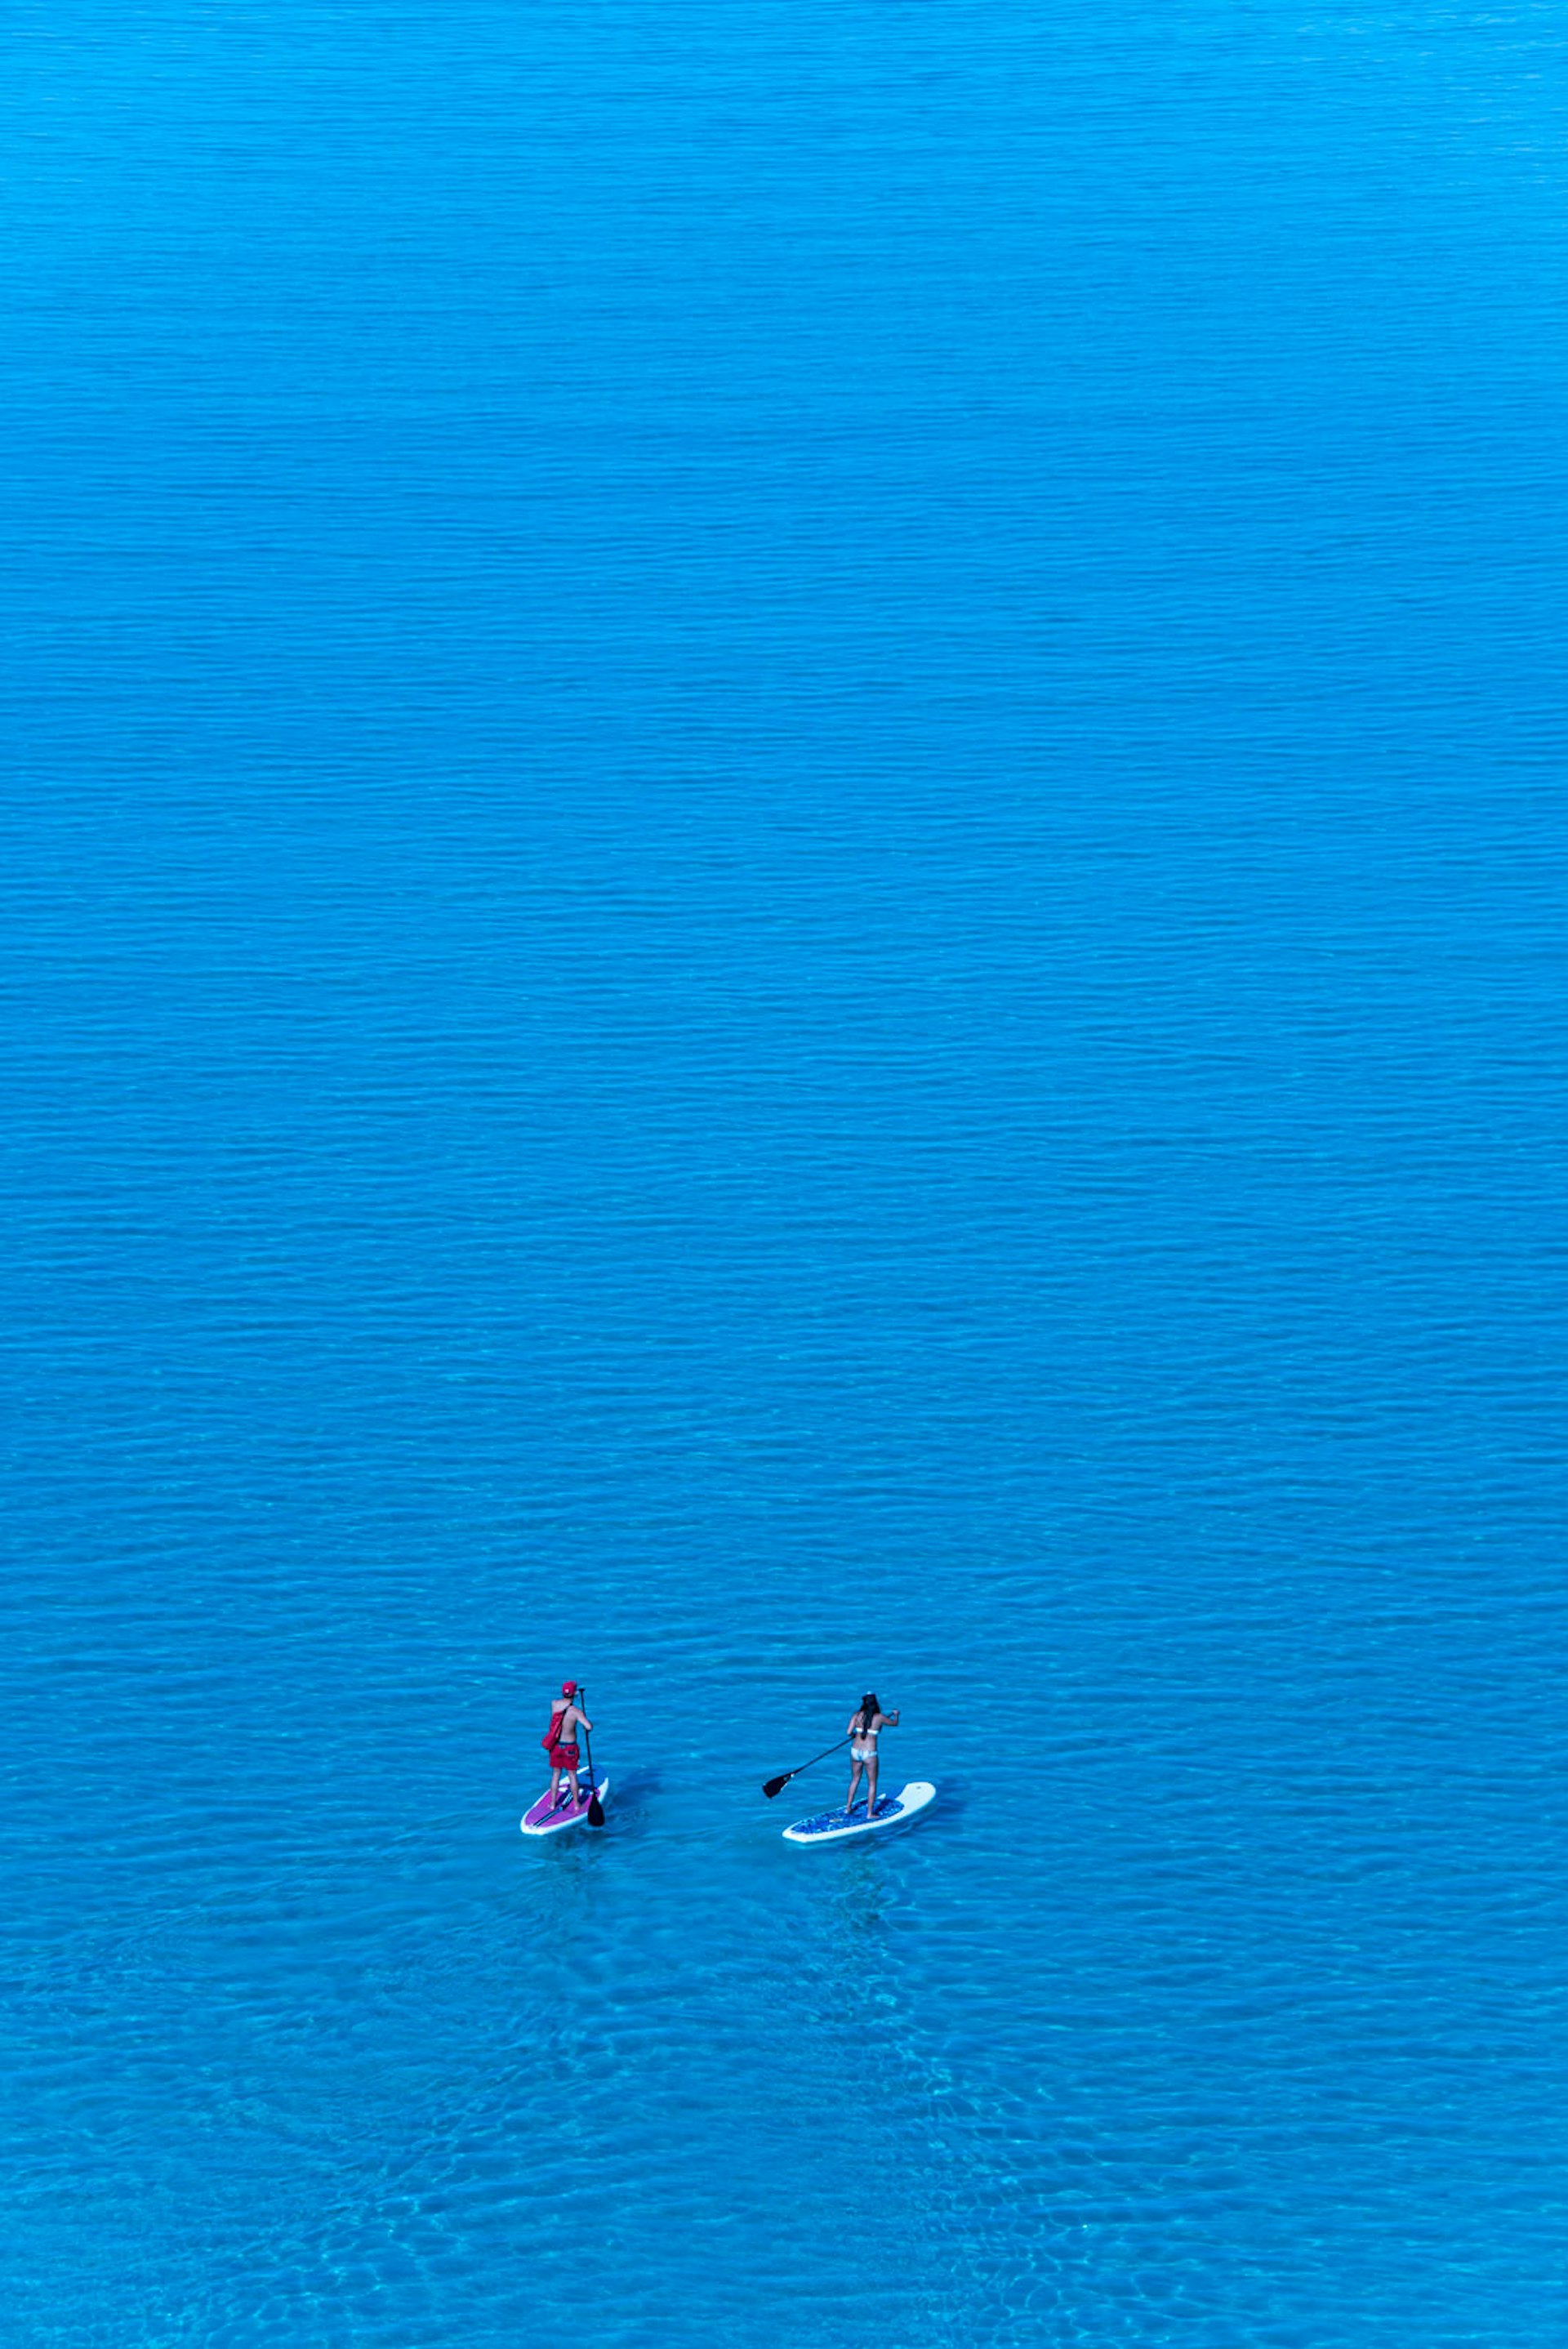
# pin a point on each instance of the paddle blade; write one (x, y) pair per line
(777, 1786)
(595, 1812)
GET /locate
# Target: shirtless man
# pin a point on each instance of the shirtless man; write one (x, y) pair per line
(561, 1744)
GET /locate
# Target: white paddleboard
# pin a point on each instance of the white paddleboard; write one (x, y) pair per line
(543, 1819)
(838, 1826)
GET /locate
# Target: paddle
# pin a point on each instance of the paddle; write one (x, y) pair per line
(596, 1808)
(772, 1786)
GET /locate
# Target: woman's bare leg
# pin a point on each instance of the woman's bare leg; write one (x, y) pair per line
(854, 1781)
(871, 1768)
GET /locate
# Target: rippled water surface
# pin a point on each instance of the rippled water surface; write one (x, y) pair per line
(783, 874)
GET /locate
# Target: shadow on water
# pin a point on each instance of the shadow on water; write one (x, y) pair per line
(951, 1807)
(860, 1900)
(631, 1788)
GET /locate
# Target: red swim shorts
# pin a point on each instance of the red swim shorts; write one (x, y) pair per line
(563, 1757)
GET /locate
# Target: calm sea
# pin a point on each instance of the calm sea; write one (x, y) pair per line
(783, 865)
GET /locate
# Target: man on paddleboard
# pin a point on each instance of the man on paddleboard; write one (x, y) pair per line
(560, 1742)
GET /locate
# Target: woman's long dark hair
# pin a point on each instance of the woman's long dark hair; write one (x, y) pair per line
(870, 1709)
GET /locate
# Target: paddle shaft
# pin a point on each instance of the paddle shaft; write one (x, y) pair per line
(596, 1808)
(775, 1785)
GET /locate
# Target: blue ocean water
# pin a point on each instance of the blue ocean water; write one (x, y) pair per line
(783, 912)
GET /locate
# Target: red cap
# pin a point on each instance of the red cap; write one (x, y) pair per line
(568, 1688)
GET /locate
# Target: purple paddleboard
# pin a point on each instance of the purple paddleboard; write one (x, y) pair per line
(549, 1818)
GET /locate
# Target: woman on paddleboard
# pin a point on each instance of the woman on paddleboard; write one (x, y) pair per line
(560, 1742)
(865, 1727)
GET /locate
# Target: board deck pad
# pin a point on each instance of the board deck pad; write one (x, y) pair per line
(547, 1818)
(889, 1806)
(892, 1810)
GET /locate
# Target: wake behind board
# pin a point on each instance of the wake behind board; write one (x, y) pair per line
(838, 1826)
(548, 1819)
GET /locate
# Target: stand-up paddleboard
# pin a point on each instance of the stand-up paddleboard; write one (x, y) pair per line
(548, 1819)
(838, 1826)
